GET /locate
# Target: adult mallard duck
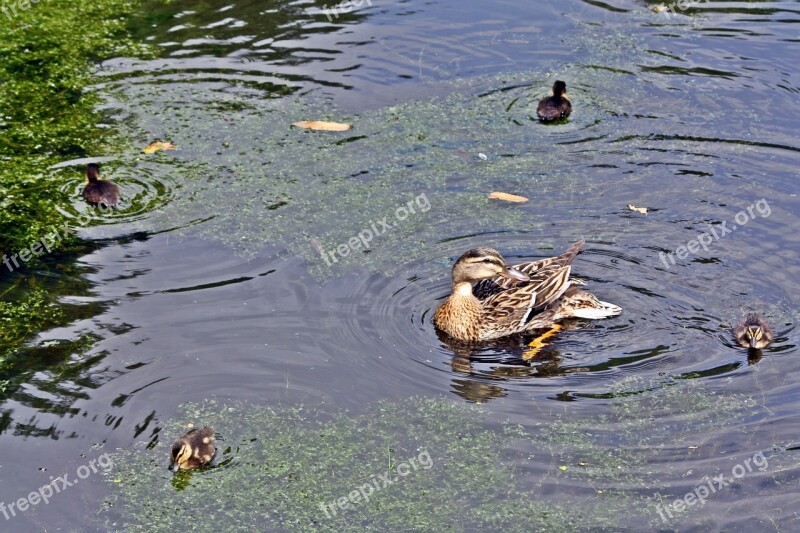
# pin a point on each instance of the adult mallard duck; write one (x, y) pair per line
(193, 450)
(555, 107)
(99, 191)
(753, 332)
(491, 300)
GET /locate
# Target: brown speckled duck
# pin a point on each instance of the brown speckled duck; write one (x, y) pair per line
(491, 300)
(555, 107)
(753, 332)
(193, 450)
(99, 191)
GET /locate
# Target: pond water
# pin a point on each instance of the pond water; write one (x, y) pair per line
(211, 280)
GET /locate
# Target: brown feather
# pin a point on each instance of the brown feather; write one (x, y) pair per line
(193, 450)
(498, 306)
(753, 332)
(101, 192)
(555, 107)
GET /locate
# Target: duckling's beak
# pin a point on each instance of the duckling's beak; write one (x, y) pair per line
(513, 273)
(175, 467)
(753, 342)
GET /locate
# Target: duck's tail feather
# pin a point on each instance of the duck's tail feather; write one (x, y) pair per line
(603, 310)
(581, 304)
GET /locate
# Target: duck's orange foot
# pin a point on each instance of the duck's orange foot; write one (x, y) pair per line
(538, 343)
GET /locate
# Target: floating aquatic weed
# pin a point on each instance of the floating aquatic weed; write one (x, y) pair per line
(277, 466)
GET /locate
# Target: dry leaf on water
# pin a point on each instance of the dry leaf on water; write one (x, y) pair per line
(322, 125)
(642, 210)
(507, 197)
(155, 146)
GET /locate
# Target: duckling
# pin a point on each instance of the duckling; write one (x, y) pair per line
(99, 191)
(193, 450)
(555, 107)
(491, 300)
(753, 332)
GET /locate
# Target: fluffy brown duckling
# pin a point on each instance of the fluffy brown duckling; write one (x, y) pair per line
(555, 107)
(753, 332)
(99, 191)
(193, 450)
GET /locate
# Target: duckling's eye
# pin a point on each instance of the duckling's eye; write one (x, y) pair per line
(184, 454)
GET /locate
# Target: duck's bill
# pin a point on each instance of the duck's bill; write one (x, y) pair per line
(513, 273)
(753, 343)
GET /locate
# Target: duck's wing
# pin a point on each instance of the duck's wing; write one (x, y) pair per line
(536, 270)
(510, 310)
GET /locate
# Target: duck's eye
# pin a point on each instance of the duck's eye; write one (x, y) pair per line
(184, 454)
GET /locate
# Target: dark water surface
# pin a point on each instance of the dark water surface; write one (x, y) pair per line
(209, 282)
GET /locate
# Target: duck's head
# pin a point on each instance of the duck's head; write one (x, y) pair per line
(483, 263)
(180, 455)
(92, 172)
(559, 88)
(754, 332)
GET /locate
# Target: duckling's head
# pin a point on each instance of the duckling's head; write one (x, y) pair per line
(483, 263)
(181, 455)
(92, 172)
(753, 332)
(559, 88)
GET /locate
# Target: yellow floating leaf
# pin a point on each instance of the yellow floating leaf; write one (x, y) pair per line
(322, 125)
(562, 467)
(660, 8)
(156, 146)
(507, 197)
(642, 210)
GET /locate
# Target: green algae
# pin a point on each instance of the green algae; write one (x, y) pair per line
(278, 468)
(47, 58)
(269, 184)
(19, 320)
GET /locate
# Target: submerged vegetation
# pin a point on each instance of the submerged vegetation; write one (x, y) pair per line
(48, 52)
(47, 56)
(299, 469)
(281, 469)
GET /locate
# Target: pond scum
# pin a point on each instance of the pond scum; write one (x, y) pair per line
(48, 52)
(277, 468)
